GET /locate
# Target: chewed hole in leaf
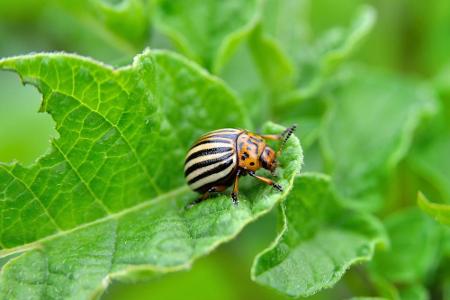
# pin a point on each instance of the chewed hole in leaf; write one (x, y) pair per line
(25, 133)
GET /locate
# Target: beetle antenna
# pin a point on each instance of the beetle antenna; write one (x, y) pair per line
(286, 134)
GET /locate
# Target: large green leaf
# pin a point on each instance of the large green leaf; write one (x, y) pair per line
(318, 242)
(415, 247)
(368, 129)
(206, 31)
(108, 200)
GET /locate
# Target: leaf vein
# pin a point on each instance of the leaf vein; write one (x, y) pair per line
(69, 162)
(127, 142)
(38, 200)
(112, 216)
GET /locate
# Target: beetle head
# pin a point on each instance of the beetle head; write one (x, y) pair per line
(268, 159)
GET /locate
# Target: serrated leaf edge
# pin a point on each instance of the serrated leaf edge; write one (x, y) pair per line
(381, 241)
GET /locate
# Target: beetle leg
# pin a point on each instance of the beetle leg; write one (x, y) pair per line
(272, 137)
(234, 194)
(285, 134)
(214, 189)
(267, 181)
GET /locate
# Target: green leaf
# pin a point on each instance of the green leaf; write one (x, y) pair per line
(384, 287)
(389, 290)
(250, 61)
(207, 31)
(229, 38)
(124, 24)
(338, 44)
(318, 242)
(428, 156)
(409, 260)
(414, 292)
(274, 67)
(108, 201)
(258, 70)
(440, 212)
(287, 22)
(368, 129)
(318, 62)
(261, 69)
(316, 65)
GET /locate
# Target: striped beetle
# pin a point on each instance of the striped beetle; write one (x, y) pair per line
(218, 158)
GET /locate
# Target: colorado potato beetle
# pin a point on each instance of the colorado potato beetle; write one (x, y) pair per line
(218, 158)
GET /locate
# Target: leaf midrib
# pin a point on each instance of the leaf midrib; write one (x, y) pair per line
(35, 244)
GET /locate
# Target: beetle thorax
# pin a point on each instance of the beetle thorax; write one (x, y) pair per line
(250, 146)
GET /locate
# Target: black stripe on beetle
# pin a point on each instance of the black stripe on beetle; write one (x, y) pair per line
(214, 170)
(206, 162)
(208, 151)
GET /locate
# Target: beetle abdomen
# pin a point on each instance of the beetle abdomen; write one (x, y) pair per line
(211, 161)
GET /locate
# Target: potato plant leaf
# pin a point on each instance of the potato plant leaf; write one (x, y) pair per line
(108, 201)
(206, 31)
(338, 44)
(124, 24)
(287, 22)
(315, 65)
(319, 240)
(230, 39)
(440, 212)
(414, 292)
(409, 260)
(258, 70)
(427, 157)
(378, 114)
(316, 62)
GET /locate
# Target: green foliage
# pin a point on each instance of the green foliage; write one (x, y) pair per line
(378, 114)
(105, 202)
(125, 24)
(409, 260)
(441, 212)
(113, 192)
(206, 31)
(332, 49)
(427, 157)
(319, 230)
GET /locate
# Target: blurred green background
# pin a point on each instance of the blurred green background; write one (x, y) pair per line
(410, 37)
